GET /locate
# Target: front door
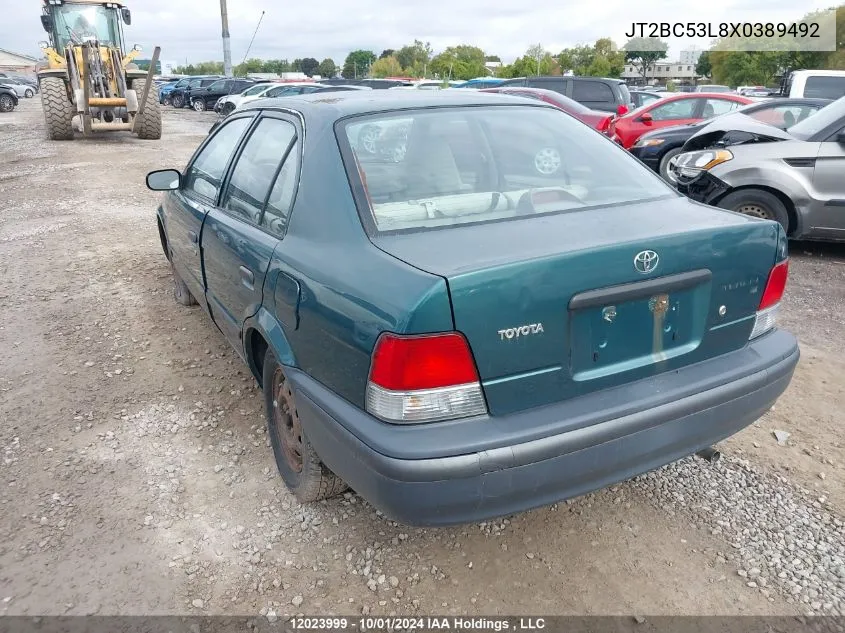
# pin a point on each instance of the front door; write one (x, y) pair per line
(185, 210)
(236, 246)
(829, 188)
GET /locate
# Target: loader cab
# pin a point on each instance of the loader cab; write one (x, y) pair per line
(70, 23)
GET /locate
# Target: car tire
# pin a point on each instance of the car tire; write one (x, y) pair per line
(181, 293)
(177, 101)
(166, 100)
(7, 104)
(304, 474)
(665, 162)
(28, 93)
(757, 203)
(198, 105)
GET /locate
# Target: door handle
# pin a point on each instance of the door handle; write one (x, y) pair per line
(247, 278)
(193, 237)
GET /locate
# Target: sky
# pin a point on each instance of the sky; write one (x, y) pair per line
(189, 30)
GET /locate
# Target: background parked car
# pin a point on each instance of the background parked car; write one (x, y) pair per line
(609, 95)
(676, 110)
(180, 96)
(480, 83)
(794, 176)
(596, 120)
(660, 148)
(165, 91)
(227, 103)
(8, 99)
(202, 99)
(21, 89)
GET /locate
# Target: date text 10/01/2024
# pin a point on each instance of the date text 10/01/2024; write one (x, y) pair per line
(454, 623)
(724, 29)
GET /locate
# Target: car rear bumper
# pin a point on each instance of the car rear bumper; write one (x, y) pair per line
(673, 417)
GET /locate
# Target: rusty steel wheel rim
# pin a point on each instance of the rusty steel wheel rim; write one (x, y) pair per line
(288, 428)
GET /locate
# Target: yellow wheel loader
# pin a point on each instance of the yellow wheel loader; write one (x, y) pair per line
(88, 76)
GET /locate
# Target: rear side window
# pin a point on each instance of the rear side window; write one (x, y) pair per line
(715, 107)
(592, 91)
(205, 174)
(279, 203)
(256, 168)
(558, 85)
(824, 87)
(455, 166)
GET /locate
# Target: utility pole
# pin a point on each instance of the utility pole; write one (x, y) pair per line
(227, 45)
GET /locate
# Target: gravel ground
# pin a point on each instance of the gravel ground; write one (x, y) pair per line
(137, 477)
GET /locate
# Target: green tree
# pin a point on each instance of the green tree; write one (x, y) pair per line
(309, 66)
(252, 65)
(460, 62)
(644, 52)
(387, 52)
(201, 68)
(536, 61)
(327, 68)
(277, 66)
(386, 67)
(358, 64)
(703, 67)
(414, 58)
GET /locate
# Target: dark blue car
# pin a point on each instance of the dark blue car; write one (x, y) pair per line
(465, 305)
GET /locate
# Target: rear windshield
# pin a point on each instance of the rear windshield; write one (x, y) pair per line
(441, 167)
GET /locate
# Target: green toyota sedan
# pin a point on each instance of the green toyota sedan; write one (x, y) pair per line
(464, 306)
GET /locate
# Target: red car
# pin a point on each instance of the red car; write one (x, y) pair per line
(675, 110)
(596, 120)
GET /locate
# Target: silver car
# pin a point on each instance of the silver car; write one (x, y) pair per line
(795, 176)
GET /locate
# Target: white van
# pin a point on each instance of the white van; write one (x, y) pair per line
(820, 84)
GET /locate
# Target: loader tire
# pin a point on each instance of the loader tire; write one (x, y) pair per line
(58, 109)
(149, 126)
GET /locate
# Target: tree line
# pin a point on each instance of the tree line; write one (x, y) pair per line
(603, 58)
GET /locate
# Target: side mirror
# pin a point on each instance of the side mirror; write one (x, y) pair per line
(46, 23)
(126, 14)
(164, 180)
(646, 118)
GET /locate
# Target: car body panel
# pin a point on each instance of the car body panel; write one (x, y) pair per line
(597, 93)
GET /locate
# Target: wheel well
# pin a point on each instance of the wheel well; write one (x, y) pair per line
(786, 200)
(256, 348)
(163, 237)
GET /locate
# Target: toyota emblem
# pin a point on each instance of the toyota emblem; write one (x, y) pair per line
(646, 261)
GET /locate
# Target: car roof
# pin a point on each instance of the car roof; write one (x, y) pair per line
(575, 77)
(337, 105)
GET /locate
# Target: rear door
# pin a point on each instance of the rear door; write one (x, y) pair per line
(596, 95)
(236, 245)
(185, 209)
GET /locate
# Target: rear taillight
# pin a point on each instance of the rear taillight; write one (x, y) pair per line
(770, 301)
(621, 110)
(423, 379)
(604, 124)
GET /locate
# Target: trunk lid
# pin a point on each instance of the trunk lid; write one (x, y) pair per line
(555, 307)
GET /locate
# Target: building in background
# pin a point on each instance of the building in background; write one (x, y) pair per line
(690, 57)
(681, 72)
(16, 63)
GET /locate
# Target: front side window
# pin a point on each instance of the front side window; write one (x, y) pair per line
(453, 166)
(204, 176)
(256, 168)
(254, 90)
(674, 110)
